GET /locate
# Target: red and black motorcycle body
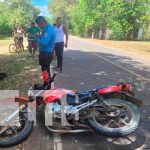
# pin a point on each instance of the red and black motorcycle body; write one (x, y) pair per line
(122, 91)
(99, 110)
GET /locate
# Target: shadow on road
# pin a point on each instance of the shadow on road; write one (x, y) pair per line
(91, 141)
(84, 71)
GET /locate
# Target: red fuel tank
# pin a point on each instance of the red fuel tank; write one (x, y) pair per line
(55, 94)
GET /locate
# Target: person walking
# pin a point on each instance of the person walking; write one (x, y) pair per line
(46, 42)
(61, 32)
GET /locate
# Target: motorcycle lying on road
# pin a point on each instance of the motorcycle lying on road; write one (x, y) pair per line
(72, 112)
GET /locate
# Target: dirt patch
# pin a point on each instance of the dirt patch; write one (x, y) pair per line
(4, 45)
(4, 49)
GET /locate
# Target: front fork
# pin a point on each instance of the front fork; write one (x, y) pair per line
(6, 121)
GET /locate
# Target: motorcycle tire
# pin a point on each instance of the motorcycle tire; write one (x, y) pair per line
(118, 131)
(18, 138)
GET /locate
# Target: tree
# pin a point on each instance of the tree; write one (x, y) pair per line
(4, 26)
(16, 12)
(123, 17)
(61, 8)
(88, 16)
(21, 11)
(128, 16)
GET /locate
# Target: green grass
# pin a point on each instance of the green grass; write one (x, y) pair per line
(21, 70)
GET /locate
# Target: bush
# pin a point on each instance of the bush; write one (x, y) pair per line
(5, 29)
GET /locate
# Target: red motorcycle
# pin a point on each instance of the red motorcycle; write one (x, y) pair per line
(110, 111)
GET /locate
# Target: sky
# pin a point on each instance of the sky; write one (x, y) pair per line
(43, 6)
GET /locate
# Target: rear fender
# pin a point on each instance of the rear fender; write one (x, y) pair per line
(125, 96)
(115, 88)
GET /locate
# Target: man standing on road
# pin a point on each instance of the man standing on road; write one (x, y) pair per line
(61, 31)
(46, 42)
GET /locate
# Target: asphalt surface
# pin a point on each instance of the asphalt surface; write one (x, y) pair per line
(87, 66)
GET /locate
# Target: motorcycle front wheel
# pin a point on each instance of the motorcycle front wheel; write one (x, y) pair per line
(13, 135)
(122, 121)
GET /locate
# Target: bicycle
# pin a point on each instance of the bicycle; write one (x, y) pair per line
(14, 47)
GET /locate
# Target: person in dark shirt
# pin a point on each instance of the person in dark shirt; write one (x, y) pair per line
(32, 32)
(46, 42)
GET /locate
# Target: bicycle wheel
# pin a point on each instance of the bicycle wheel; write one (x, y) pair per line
(12, 48)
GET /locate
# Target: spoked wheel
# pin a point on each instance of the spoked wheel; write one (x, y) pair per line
(12, 48)
(122, 119)
(12, 135)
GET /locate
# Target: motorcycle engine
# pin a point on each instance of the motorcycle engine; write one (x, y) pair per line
(56, 110)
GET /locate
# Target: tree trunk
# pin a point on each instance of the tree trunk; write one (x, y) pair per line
(100, 33)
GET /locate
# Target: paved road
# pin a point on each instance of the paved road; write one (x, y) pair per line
(87, 66)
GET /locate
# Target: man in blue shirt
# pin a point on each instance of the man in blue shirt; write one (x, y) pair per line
(46, 42)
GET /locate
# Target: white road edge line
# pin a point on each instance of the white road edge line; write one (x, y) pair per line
(131, 72)
(56, 136)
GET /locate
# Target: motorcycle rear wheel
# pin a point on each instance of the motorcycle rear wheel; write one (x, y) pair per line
(116, 124)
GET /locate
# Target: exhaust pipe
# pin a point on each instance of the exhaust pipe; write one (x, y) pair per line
(67, 131)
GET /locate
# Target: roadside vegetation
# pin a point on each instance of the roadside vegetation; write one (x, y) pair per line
(105, 19)
(14, 13)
